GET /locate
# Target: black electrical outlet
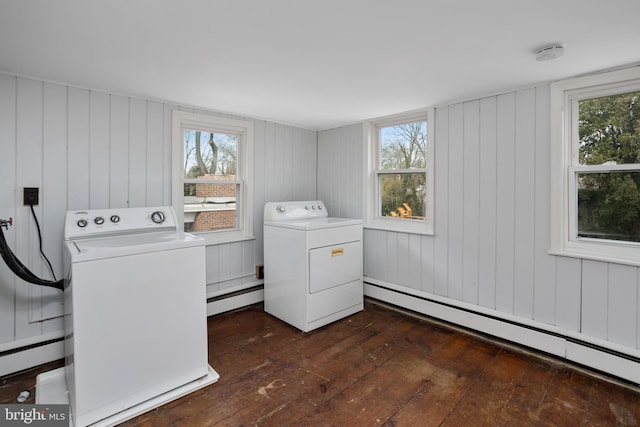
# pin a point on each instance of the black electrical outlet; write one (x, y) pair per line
(31, 195)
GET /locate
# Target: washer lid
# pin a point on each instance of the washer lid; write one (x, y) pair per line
(131, 244)
(315, 223)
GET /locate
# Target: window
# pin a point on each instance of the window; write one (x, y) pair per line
(596, 150)
(212, 169)
(401, 174)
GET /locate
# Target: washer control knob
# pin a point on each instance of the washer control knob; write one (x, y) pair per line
(319, 207)
(313, 207)
(82, 223)
(281, 209)
(98, 220)
(158, 217)
(307, 208)
(115, 218)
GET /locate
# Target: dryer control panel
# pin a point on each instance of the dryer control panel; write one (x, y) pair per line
(288, 211)
(112, 222)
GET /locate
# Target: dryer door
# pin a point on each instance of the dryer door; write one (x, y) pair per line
(334, 265)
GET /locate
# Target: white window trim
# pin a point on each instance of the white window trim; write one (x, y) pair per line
(182, 121)
(372, 160)
(563, 169)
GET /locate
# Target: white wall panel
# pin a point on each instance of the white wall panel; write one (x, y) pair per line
(260, 196)
(427, 264)
(307, 179)
(622, 296)
(78, 177)
(329, 142)
(456, 201)
(524, 203)
(373, 241)
(270, 156)
(402, 260)
(213, 267)
(568, 293)
(29, 159)
(414, 261)
(137, 153)
(155, 155)
(167, 149)
(53, 196)
(441, 238)
(471, 197)
(595, 301)
(288, 147)
(7, 193)
(119, 152)
(297, 148)
(351, 204)
(488, 203)
(505, 214)
(340, 178)
(390, 264)
(278, 170)
(544, 298)
(99, 160)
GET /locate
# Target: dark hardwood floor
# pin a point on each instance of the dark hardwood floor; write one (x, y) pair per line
(378, 368)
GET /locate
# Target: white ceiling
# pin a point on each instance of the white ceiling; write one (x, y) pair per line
(316, 64)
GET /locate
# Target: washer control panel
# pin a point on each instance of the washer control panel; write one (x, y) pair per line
(108, 222)
(287, 211)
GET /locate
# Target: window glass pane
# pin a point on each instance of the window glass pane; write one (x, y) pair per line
(403, 195)
(210, 206)
(609, 129)
(403, 146)
(208, 153)
(609, 205)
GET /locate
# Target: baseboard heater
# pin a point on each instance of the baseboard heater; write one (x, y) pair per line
(234, 300)
(544, 340)
(28, 356)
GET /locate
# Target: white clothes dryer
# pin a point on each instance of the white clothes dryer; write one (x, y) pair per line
(312, 264)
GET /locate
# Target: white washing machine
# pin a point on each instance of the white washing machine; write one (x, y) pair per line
(135, 315)
(312, 264)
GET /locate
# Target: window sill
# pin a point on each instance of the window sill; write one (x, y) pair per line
(219, 238)
(400, 226)
(626, 256)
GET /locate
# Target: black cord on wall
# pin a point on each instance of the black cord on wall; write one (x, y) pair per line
(20, 269)
(35, 218)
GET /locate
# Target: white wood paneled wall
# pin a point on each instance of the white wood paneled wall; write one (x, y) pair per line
(340, 156)
(492, 225)
(87, 149)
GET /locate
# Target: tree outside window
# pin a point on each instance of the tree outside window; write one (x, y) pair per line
(210, 182)
(402, 174)
(609, 196)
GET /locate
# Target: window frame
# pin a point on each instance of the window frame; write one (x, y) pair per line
(182, 121)
(564, 98)
(373, 172)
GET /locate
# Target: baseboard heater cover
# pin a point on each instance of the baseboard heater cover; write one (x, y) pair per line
(609, 361)
(232, 301)
(22, 358)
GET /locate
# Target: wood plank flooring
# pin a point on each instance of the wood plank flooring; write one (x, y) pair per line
(377, 368)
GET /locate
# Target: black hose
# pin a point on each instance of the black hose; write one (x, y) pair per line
(20, 270)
